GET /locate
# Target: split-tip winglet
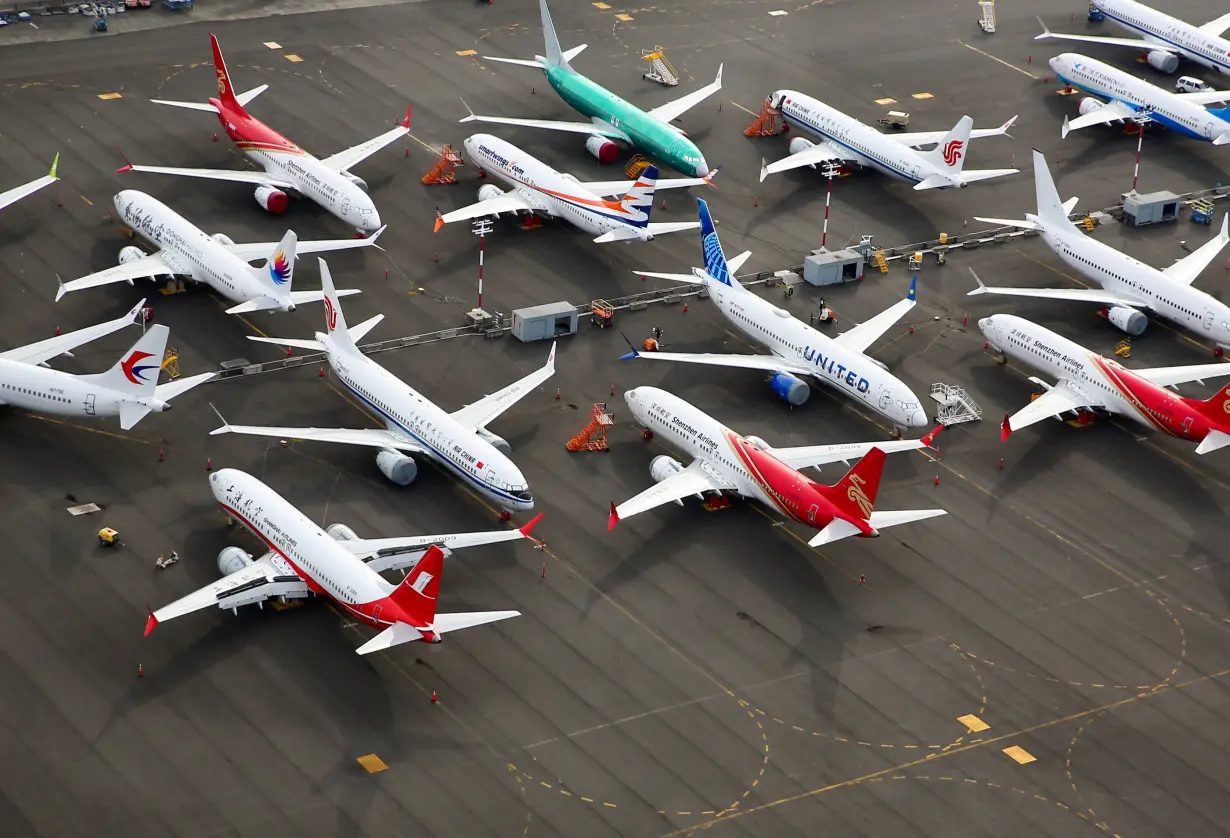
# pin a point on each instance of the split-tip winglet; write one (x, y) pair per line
(439, 222)
(931, 435)
(150, 622)
(613, 519)
(913, 295)
(1046, 33)
(226, 426)
(55, 164)
(127, 163)
(1005, 429)
(528, 528)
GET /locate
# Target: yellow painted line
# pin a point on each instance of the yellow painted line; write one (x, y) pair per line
(1021, 755)
(887, 100)
(624, 18)
(87, 200)
(745, 110)
(293, 59)
(110, 95)
(922, 95)
(601, 6)
(372, 763)
(975, 724)
(464, 52)
(273, 45)
(997, 60)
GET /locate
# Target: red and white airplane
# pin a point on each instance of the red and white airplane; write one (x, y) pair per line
(286, 167)
(303, 559)
(15, 194)
(750, 467)
(1088, 382)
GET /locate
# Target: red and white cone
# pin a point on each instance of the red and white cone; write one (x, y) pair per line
(434, 699)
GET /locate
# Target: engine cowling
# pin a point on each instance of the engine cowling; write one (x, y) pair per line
(758, 442)
(131, 254)
(223, 238)
(1166, 62)
(489, 192)
(397, 466)
(800, 144)
(274, 200)
(663, 467)
(341, 532)
(1127, 320)
(356, 180)
(790, 389)
(1088, 105)
(602, 148)
(495, 441)
(232, 559)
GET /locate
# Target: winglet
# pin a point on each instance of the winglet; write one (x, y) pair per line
(551, 357)
(226, 426)
(613, 519)
(469, 110)
(912, 296)
(1063, 132)
(134, 313)
(406, 123)
(1224, 236)
(55, 164)
(127, 167)
(1003, 129)
(981, 289)
(439, 222)
(1046, 33)
(1005, 429)
(151, 621)
(764, 169)
(525, 531)
(629, 355)
(709, 177)
(931, 435)
(372, 238)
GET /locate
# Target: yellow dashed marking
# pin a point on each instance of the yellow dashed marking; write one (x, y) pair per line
(975, 724)
(601, 6)
(271, 45)
(624, 18)
(887, 100)
(87, 200)
(1021, 755)
(464, 52)
(923, 95)
(293, 59)
(372, 763)
(110, 95)
(609, 805)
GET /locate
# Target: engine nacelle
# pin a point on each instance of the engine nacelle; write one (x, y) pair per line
(497, 442)
(223, 238)
(758, 442)
(341, 532)
(489, 192)
(356, 180)
(1166, 62)
(800, 144)
(1127, 320)
(274, 200)
(663, 467)
(232, 559)
(397, 466)
(1088, 105)
(602, 148)
(790, 389)
(131, 254)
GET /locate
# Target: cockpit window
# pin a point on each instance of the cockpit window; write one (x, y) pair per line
(524, 496)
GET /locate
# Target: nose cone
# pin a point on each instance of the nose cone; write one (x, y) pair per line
(986, 325)
(630, 397)
(702, 168)
(919, 419)
(1057, 63)
(371, 222)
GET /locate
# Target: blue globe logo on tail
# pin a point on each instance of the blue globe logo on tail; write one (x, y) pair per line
(279, 268)
(715, 259)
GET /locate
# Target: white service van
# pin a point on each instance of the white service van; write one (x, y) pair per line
(1188, 84)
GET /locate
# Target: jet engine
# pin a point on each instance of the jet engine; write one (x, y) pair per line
(356, 180)
(758, 442)
(497, 442)
(223, 238)
(663, 467)
(1088, 105)
(341, 532)
(489, 192)
(397, 466)
(800, 144)
(1127, 319)
(790, 389)
(601, 147)
(131, 254)
(271, 199)
(232, 559)
(1166, 62)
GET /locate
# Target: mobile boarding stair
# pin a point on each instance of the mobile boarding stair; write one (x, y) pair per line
(956, 406)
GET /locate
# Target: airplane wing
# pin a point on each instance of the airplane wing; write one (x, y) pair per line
(355, 155)
(1060, 399)
(508, 202)
(235, 175)
(814, 456)
(1135, 43)
(382, 554)
(45, 350)
(261, 250)
(675, 109)
(869, 331)
(653, 228)
(1206, 97)
(693, 480)
(152, 265)
(373, 437)
(769, 363)
(1215, 28)
(1189, 267)
(605, 188)
(1110, 112)
(1168, 376)
(488, 409)
(821, 152)
(15, 194)
(269, 576)
(914, 139)
(598, 127)
(399, 633)
(1084, 295)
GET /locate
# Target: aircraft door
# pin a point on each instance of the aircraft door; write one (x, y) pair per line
(811, 513)
(1208, 319)
(490, 476)
(1186, 427)
(376, 612)
(345, 206)
(89, 405)
(885, 398)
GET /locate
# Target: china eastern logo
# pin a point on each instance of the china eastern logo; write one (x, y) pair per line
(279, 268)
(134, 373)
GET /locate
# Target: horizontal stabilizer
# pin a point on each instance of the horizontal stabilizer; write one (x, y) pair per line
(882, 520)
(357, 333)
(297, 343)
(936, 182)
(194, 106)
(1021, 223)
(296, 298)
(974, 175)
(179, 386)
(836, 531)
(520, 62)
(1213, 441)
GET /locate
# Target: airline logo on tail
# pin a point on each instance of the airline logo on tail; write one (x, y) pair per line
(952, 152)
(134, 373)
(330, 313)
(715, 260)
(423, 580)
(858, 495)
(279, 268)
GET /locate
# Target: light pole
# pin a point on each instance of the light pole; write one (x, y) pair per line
(1140, 119)
(482, 227)
(830, 171)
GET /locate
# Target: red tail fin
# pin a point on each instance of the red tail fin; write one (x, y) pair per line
(225, 92)
(855, 494)
(418, 592)
(1217, 407)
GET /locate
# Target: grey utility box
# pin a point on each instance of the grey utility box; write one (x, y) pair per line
(1150, 208)
(829, 267)
(551, 320)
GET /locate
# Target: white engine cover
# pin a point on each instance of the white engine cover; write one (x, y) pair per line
(356, 180)
(663, 467)
(1166, 62)
(758, 442)
(131, 253)
(397, 466)
(497, 442)
(1088, 105)
(341, 532)
(800, 144)
(602, 148)
(232, 559)
(223, 238)
(489, 192)
(273, 200)
(1127, 320)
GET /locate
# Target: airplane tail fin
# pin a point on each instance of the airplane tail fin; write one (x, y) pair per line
(335, 321)
(419, 593)
(1050, 208)
(136, 372)
(1216, 406)
(855, 494)
(949, 155)
(226, 93)
(278, 271)
(555, 55)
(711, 248)
(638, 203)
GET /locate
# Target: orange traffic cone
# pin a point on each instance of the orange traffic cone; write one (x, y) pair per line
(161, 455)
(140, 671)
(434, 700)
(209, 464)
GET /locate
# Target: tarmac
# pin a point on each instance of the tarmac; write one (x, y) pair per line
(1050, 658)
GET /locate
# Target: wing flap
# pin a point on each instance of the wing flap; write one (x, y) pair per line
(150, 266)
(1060, 399)
(267, 577)
(235, 176)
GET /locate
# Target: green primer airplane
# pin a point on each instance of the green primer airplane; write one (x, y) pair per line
(612, 118)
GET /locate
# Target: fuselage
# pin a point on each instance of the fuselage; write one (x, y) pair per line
(43, 390)
(755, 472)
(1114, 270)
(1123, 391)
(1211, 51)
(278, 156)
(328, 568)
(1165, 107)
(548, 190)
(661, 141)
(480, 465)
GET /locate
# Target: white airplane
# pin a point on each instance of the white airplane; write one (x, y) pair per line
(1163, 38)
(15, 194)
(1130, 98)
(725, 462)
(1128, 286)
(1088, 382)
(129, 390)
(217, 261)
(846, 141)
(538, 188)
(303, 559)
(286, 168)
(798, 350)
(458, 441)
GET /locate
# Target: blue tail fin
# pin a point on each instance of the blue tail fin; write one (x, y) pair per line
(715, 259)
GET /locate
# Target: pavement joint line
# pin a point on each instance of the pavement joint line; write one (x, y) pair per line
(998, 60)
